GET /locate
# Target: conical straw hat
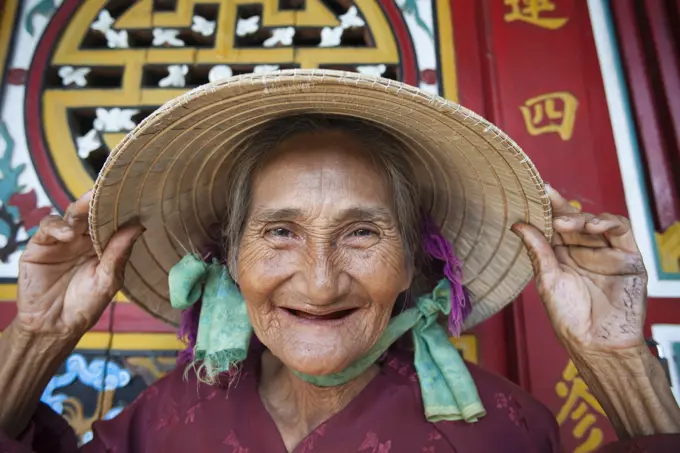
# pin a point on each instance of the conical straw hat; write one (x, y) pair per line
(170, 173)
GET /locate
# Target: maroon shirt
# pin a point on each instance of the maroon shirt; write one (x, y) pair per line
(178, 416)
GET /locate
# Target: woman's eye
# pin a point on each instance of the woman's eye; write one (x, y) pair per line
(362, 238)
(281, 233)
(362, 232)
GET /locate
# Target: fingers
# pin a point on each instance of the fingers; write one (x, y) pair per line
(53, 229)
(603, 230)
(616, 229)
(602, 261)
(571, 229)
(572, 223)
(77, 214)
(560, 205)
(543, 259)
(111, 268)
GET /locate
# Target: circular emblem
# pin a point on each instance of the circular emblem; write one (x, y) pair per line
(101, 67)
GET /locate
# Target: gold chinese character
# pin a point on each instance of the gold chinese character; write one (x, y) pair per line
(579, 405)
(551, 112)
(576, 204)
(668, 244)
(530, 11)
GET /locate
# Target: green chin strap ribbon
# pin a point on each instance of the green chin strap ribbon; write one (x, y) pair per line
(224, 333)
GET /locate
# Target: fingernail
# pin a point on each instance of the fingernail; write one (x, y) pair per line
(594, 221)
(563, 219)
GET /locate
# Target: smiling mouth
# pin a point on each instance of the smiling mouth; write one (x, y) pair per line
(340, 314)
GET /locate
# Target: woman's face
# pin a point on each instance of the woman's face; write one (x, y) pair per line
(321, 261)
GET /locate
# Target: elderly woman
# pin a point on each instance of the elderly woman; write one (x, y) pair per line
(339, 199)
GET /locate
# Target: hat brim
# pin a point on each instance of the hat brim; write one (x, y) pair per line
(169, 173)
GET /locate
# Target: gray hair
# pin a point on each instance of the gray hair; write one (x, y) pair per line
(389, 154)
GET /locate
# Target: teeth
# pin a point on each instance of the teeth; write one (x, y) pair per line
(334, 315)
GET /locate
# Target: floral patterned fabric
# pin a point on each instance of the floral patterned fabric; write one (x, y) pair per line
(176, 415)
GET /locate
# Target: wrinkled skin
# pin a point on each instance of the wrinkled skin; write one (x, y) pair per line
(591, 279)
(63, 287)
(321, 236)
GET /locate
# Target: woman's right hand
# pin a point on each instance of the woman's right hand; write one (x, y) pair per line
(63, 286)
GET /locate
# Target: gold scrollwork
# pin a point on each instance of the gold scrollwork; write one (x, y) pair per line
(74, 412)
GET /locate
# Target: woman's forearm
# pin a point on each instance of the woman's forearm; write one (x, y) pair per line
(28, 362)
(633, 390)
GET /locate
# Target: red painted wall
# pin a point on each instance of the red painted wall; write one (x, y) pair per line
(502, 62)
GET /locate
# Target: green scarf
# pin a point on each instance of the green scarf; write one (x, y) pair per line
(224, 333)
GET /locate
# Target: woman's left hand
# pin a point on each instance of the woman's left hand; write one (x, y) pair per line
(591, 279)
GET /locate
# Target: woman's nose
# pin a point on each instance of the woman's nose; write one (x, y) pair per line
(325, 280)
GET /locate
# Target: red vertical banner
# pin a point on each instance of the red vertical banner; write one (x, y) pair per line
(532, 67)
(551, 100)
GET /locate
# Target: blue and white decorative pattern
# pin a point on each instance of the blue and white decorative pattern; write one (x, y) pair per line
(419, 18)
(91, 375)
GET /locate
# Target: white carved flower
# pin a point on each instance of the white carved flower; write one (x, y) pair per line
(265, 68)
(114, 120)
(330, 37)
(103, 22)
(247, 26)
(76, 76)
(351, 18)
(117, 40)
(203, 26)
(88, 143)
(280, 35)
(162, 36)
(372, 70)
(219, 72)
(175, 77)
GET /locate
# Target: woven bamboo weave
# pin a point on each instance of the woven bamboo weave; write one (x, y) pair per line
(170, 173)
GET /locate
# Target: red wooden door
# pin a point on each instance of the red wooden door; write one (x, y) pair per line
(532, 67)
